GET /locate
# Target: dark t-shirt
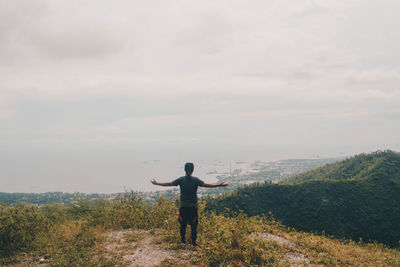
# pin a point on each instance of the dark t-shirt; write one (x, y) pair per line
(189, 185)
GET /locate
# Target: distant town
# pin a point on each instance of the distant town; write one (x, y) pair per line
(259, 172)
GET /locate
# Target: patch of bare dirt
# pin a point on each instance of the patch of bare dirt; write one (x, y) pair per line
(295, 259)
(142, 248)
(298, 259)
(278, 239)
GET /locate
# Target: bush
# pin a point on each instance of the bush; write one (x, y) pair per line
(70, 244)
(20, 227)
(227, 241)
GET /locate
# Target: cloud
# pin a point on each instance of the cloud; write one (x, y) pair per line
(43, 30)
(373, 76)
(75, 41)
(4, 113)
(16, 19)
(98, 67)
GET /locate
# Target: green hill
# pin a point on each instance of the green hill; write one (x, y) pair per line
(355, 198)
(378, 165)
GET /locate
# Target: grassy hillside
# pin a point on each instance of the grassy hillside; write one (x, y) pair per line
(128, 231)
(380, 165)
(355, 198)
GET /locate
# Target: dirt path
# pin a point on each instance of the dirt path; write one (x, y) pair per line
(143, 248)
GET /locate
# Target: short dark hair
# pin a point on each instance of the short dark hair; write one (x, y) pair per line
(189, 167)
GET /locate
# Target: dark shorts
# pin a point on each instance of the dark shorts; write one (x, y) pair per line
(188, 215)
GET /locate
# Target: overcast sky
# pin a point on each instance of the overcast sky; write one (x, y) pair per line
(87, 86)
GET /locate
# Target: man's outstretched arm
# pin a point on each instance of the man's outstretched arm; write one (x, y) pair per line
(161, 184)
(214, 185)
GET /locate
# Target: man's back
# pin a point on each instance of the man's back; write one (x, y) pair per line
(188, 185)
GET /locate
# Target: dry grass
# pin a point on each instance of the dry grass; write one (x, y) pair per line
(333, 252)
(94, 240)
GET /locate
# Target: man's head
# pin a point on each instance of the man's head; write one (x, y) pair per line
(189, 167)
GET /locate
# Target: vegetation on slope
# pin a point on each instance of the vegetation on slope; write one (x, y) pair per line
(74, 236)
(379, 165)
(355, 198)
(71, 234)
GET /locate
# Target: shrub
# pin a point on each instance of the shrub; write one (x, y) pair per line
(20, 226)
(226, 241)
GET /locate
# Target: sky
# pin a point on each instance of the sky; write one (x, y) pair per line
(89, 89)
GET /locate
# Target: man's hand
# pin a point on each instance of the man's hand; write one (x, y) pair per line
(223, 184)
(154, 181)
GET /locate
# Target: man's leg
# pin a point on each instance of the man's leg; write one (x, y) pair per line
(194, 233)
(183, 221)
(183, 232)
(194, 221)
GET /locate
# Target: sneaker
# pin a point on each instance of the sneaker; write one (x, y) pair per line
(183, 245)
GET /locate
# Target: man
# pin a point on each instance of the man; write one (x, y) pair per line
(188, 210)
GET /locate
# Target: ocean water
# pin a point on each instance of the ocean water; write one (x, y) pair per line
(102, 173)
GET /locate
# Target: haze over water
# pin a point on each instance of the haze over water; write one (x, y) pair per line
(109, 171)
